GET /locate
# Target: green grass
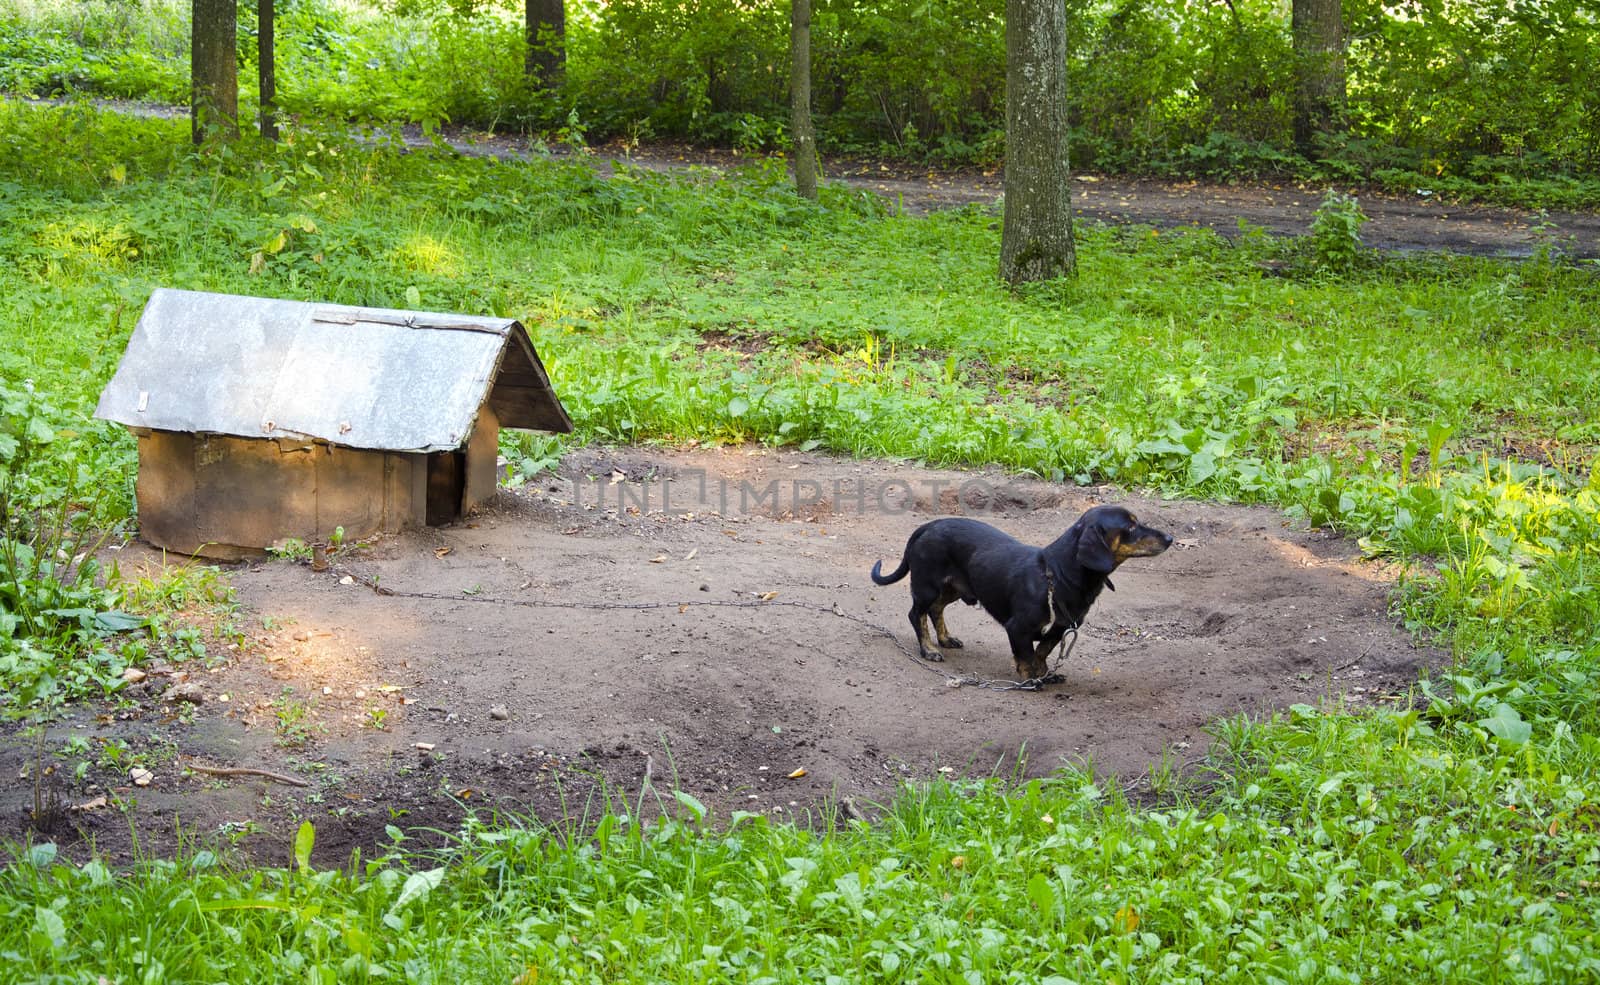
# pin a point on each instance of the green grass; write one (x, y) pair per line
(1465, 871)
(1444, 410)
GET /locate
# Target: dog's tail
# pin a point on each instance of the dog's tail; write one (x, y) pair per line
(905, 560)
(893, 576)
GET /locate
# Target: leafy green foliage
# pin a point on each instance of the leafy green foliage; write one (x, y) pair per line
(1335, 238)
(55, 615)
(1158, 86)
(137, 50)
(1395, 865)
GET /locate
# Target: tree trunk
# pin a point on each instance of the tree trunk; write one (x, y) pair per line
(545, 25)
(214, 69)
(1036, 239)
(267, 70)
(805, 136)
(1318, 30)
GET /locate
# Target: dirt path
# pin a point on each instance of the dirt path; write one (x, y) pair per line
(700, 620)
(1413, 223)
(1402, 224)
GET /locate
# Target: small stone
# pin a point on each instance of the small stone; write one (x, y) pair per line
(187, 691)
(499, 713)
(347, 580)
(134, 675)
(423, 746)
(140, 776)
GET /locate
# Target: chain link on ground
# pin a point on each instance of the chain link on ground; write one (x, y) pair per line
(1052, 675)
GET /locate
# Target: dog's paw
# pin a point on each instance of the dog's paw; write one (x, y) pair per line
(1053, 679)
(933, 656)
(950, 643)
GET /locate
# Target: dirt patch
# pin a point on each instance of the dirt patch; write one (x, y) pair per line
(1419, 222)
(701, 619)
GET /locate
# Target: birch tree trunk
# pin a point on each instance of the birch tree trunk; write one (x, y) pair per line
(800, 128)
(1036, 238)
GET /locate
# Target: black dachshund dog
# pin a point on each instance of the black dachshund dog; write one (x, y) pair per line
(1036, 593)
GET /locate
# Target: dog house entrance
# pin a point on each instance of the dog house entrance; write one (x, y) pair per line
(447, 486)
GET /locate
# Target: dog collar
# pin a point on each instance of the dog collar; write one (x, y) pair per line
(1050, 603)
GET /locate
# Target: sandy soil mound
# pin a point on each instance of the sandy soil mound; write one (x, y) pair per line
(704, 619)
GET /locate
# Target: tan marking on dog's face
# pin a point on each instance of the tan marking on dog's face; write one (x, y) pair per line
(1143, 547)
(1136, 540)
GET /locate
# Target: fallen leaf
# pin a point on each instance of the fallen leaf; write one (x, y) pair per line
(797, 774)
(442, 551)
(768, 596)
(691, 554)
(140, 776)
(1127, 920)
(659, 559)
(465, 793)
(93, 804)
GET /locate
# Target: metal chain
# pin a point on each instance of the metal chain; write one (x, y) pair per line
(1064, 650)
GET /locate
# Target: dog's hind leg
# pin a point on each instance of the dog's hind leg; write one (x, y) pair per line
(926, 646)
(950, 594)
(925, 601)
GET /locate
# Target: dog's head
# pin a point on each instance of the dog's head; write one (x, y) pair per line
(1109, 535)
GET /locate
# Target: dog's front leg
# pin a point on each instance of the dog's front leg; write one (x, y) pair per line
(1029, 666)
(1041, 656)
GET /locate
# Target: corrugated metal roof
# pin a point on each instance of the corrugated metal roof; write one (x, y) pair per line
(359, 377)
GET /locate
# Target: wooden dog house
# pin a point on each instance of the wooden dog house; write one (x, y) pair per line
(261, 420)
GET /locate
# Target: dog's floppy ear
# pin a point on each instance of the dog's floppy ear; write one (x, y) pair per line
(1093, 552)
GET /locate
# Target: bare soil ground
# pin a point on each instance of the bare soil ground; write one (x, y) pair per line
(1400, 223)
(699, 620)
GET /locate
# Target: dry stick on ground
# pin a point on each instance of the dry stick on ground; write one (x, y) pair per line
(247, 771)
